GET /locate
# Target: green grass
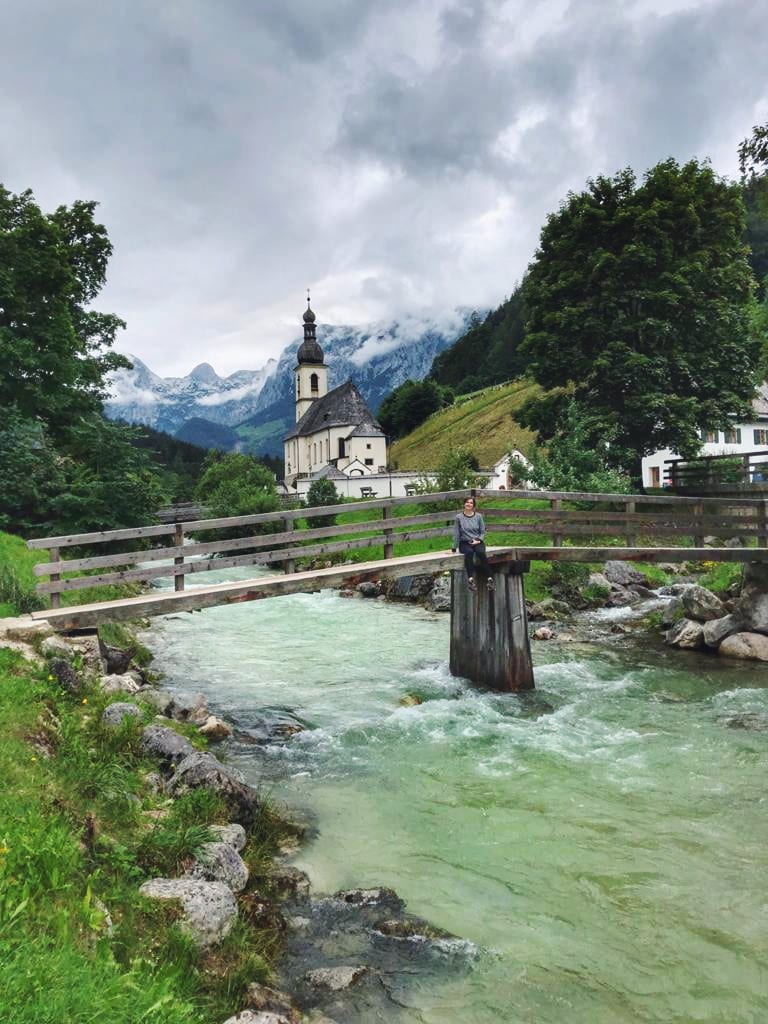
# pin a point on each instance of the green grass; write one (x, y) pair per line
(719, 576)
(80, 830)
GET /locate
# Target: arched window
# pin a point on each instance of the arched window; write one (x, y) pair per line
(314, 383)
(298, 385)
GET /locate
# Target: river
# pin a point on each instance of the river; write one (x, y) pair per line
(603, 844)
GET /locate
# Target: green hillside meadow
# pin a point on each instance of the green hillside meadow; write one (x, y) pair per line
(482, 422)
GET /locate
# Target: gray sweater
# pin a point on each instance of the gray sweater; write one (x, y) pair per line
(468, 528)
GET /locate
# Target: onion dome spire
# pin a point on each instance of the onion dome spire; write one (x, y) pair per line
(309, 350)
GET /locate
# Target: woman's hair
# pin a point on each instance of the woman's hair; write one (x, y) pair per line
(470, 498)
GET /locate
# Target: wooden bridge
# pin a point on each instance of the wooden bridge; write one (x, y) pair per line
(489, 636)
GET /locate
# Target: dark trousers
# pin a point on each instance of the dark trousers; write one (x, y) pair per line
(472, 551)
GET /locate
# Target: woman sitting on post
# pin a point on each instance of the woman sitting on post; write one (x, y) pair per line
(469, 538)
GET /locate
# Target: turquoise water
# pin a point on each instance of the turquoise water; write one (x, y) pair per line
(604, 844)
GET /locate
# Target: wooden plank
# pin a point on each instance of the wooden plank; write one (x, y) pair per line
(616, 499)
(641, 519)
(388, 546)
(55, 578)
(289, 566)
(102, 537)
(608, 530)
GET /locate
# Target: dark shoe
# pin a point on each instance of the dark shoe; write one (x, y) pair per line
(472, 585)
(491, 584)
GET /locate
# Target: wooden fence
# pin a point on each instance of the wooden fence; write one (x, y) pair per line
(630, 517)
(737, 473)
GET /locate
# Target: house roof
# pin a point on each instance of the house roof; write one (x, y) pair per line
(341, 407)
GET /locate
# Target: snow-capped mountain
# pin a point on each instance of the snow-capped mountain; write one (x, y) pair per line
(377, 357)
(166, 403)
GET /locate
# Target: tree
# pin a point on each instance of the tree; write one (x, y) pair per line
(639, 301)
(236, 485)
(753, 152)
(321, 492)
(458, 469)
(410, 404)
(62, 465)
(574, 460)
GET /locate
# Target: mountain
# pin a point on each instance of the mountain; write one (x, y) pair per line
(259, 404)
(166, 403)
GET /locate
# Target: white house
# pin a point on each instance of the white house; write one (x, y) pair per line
(748, 436)
(499, 476)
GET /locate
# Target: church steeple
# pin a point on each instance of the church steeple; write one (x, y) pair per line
(311, 374)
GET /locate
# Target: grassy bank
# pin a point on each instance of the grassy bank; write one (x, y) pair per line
(81, 827)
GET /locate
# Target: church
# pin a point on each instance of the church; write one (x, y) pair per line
(336, 435)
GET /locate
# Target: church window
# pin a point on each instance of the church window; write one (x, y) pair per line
(298, 385)
(368, 446)
(342, 450)
(369, 462)
(314, 384)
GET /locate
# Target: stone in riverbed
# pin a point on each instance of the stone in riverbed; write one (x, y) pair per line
(290, 882)
(117, 659)
(271, 1000)
(220, 862)
(716, 630)
(166, 745)
(543, 633)
(215, 728)
(262, 1017)
(119, 684)
(439, 599)
(687, 635)
(701, 604)
(749, 720)
(622, 573)
(336, 979)
(209, 908)
(379, 897)
(753, 604)
(752, 646)
(190, 708)
(410, 928)
(368, 589)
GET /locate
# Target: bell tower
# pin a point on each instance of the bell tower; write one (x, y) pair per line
(311, 373)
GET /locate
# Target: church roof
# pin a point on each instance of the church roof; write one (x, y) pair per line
(344, 406)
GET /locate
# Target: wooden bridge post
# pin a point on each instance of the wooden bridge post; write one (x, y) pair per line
(698, 515)
(389, 547)
(178, 541)
(629, 508)
(762, 525)
(53, 554)
(289, 565)
(557, 538)
(489, 630)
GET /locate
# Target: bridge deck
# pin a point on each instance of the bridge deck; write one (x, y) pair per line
(167, 602)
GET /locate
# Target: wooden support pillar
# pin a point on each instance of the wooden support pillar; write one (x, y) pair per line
(629, 508)
(698, 515)
(557, 538)
(489, 630)
(762, 525)
(178, 540)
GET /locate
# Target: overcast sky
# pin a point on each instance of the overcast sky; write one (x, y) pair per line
(393, 155)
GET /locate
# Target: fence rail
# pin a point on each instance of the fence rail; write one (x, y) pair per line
(711, 474)
(276, 537)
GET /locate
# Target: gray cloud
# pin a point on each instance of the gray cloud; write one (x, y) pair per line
(397, 157)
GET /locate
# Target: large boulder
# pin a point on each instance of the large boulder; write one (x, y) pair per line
(409, 588)
(623, 573)
(701, 604)
(119, 684)
(672, 612)
(716, 630)
(232, 834)
(56, 647)
(114, 715)
(220, 862)
(752, 646)
(209, 908)
(214, 728)
(271, 1000)
(24, 629)
(165, 744)
(117, 659)
(686, 634)
(753, 604)
(190, 708)
(88, 648)
(203, 771)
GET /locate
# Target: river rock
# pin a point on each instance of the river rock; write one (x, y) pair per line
(271, 1000)
(165, 744)
(263, 1017)
(701, 604)
(686, 634)
(409, 588)
(439, 599)
(368, 589)
(56, 647)
(621, 597)
(215, 728)
(190, 708)
(65, 674)
(24, 629)
(716, 630)
(290, 882)
(209, 908)
(599, 579)
(117, 659)
(749, 720)
(645, 593)
(336, 979)
(160, 700)
(116, 714)
(753, 605)
(752, 646)
(119, 684)
(410, 928)
(89, 650)
(379, 897)
(220, 862)
(672, 612)
(234, 835)
(203, 770)
(622, 573)
(549, 608)
(543, 633)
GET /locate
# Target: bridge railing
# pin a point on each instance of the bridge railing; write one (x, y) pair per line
(175, 551)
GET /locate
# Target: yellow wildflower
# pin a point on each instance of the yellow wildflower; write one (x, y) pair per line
(85, 700)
